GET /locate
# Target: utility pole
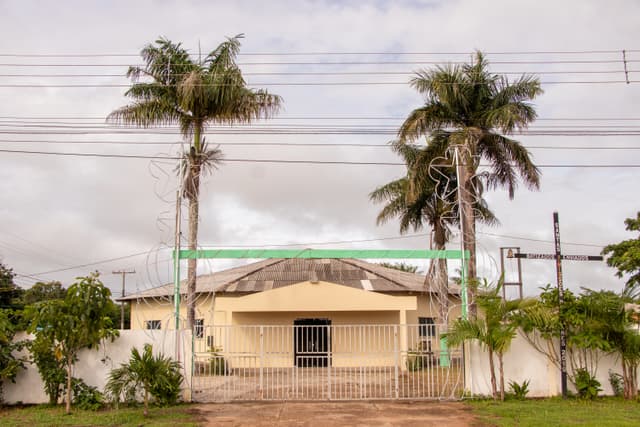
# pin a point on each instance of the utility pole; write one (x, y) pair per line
(124, 274)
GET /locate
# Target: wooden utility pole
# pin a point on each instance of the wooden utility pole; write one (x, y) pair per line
(124, 274)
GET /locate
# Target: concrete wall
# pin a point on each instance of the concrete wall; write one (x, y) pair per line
(523, 362)
(94, 366)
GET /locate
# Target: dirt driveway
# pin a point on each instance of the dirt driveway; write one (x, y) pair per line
(332, 414)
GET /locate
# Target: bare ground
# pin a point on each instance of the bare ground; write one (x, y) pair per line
(333, 414)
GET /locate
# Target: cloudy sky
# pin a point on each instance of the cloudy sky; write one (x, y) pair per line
(341, 67)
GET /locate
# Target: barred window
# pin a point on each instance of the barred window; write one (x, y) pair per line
(153, 324)
(427, 326)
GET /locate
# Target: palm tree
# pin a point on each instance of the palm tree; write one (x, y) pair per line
(158, 376)
(494, 329)
(420, 200)
(468, 107)
(173, 88)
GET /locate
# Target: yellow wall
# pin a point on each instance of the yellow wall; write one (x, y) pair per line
(237, 333)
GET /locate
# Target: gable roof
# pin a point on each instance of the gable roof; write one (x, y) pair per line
(277, 273)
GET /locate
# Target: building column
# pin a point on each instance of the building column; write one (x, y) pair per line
(404, 341)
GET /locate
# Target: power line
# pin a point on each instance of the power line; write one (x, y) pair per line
(291, 144)
(115, 85)
(284, 161)
(590, 119)
(299, 63)
(318, 53)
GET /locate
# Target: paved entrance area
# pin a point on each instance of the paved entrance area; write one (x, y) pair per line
(330, 414)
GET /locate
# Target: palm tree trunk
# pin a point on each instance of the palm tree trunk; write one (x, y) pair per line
(69, 372)
(146, 402)
(492, 370)
(469, 226)
(438, 274)
(501, 364)
(193, 195)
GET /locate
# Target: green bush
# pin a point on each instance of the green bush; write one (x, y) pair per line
(219, 365)
(158, 377)
(617, 383)
(519, 391)
(587, 385)
(86, 397)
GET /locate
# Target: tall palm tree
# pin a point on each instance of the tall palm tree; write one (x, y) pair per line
(174, 88)
(494, 329)
(468, 107)
(419, 200)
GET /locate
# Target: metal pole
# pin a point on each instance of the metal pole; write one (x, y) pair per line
(463, 263)
(563, 331)
(123, 273)
(176, 263)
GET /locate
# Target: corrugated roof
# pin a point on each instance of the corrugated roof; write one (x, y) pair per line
(277, 273)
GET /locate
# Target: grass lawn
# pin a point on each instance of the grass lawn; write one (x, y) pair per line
(603, 412)
(54, 416)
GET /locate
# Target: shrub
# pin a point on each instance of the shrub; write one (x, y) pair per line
(86, 397)
(156, 376)
(617, 383)
(587, 385)
(519, 391)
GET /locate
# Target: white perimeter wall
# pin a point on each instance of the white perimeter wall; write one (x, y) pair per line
(523, 362)
(94, 366)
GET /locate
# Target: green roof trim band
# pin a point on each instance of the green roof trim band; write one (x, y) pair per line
(322, 253)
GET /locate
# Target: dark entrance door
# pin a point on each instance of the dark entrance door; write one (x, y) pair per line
(312, 341)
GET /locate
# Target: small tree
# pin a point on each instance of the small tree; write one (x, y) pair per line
(9, 364)
(158, 376)
(44, 291)
(494, 328)
(79, 321)
(625, 256)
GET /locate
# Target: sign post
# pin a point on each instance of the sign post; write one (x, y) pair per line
(558, 257)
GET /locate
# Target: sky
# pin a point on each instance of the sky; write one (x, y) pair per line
(347, 65)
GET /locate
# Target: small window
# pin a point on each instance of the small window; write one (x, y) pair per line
(427, 326)
(153, 324)
(198, 328)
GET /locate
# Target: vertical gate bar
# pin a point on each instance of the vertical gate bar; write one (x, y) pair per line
(261, 361)
(396, 356)
(329, 343)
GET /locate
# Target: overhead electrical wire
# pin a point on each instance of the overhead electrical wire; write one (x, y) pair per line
(285, 161)
(288, 144)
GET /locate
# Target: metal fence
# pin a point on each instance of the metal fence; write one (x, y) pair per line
(314, 360)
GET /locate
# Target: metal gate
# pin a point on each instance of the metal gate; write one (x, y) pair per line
(315, 360)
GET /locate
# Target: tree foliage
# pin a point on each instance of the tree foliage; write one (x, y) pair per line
(467, 106)
(494, 328)
(10, 293)
(43, 291)
(10, 365)
(172, 88)
(78, 321)
(625, 257)
(418, 200)
(158, 377)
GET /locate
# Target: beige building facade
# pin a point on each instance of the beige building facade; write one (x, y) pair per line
(300, 311)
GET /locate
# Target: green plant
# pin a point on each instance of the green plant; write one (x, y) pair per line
(218, 365)
(519, 391)
(9, 363)
(419, 358)
(617, 383)
(158, 377)
(494, 331)
(51, 368)
(587, 385)
(86, 397)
